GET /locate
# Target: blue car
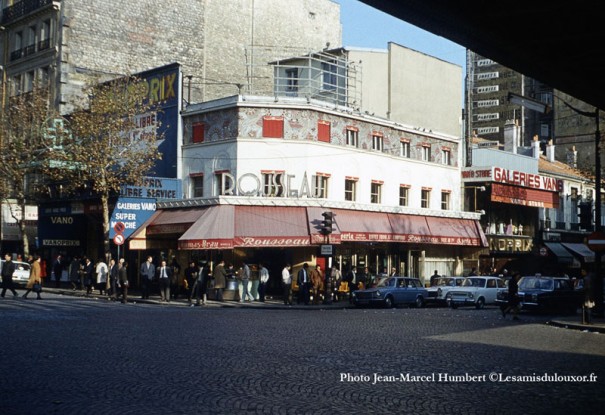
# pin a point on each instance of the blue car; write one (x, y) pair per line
(391, 292)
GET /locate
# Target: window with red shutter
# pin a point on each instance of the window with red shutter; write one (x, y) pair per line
(323, 131)
(273, 127)
(198, 133)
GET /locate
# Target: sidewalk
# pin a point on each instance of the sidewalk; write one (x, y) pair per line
(271, 302)
(597, 324)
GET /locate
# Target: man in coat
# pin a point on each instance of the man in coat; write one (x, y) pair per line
(147, 274)
(8, 269)
(220, 280)
(35, 277)
(164, 276)
(304, 284)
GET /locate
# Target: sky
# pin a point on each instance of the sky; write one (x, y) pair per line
(365, 26)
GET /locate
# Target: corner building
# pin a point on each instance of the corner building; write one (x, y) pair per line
(258, 172)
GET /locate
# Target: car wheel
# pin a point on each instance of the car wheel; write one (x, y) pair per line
(388, 302)
(419, 302)
(480, 303)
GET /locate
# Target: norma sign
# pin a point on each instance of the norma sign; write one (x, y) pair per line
(596, 241)
(118, 239)
(119, 227)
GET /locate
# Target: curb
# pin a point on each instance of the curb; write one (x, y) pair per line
(592, 328)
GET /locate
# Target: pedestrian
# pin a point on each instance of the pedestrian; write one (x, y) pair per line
(393, 272)
(88, 273)
(164, 276)
(473, 272)
(147, 273)
(201, 284)
(351, 279)
(101, 272)
(74, 273)
(434, 278)
(35, 278)
(191, 275)
(513, 302)
(317, 283)
(8, 269)
(286, 279)
(336, 276)
(589, 302)
(123, 279)
(57, 270)
(303, 280)
(245, 281)
(364, 278)
(174, 279)
(220, 280)
(113, 279)
(263, 280)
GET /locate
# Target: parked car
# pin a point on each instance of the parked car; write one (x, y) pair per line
(442, 286)
(391, 292)
(547, 293)
(21, 275)
(477, 291)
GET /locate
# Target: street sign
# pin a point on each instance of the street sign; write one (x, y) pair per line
(119, 227)
(118, 239)
(326, 250)
(596, 241)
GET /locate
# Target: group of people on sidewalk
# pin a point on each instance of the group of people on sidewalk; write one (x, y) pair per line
(34, 282)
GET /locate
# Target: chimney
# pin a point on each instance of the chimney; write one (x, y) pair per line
(512, 135)
(572, 157)
(535, 147)
(550, 151)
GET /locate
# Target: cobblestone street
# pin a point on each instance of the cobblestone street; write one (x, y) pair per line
(69, 355)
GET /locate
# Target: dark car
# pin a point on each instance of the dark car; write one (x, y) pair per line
(546, 293)
(391, 292)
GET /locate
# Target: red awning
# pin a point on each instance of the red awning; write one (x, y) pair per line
(356, 225)
(173, 221)
(409, 228)
(213, 230)
(452, 231)
(263, 226)
(523, 196)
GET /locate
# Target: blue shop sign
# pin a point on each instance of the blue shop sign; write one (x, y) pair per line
(159, 188)
(132, 212)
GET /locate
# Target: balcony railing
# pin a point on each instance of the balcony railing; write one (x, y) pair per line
(30, 50)
(22, 8)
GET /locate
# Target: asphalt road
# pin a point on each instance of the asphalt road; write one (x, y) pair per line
(70, 355)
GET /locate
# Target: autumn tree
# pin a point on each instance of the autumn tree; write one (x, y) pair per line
(28, 134)
(110, 145)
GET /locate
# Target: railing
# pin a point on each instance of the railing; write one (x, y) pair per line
(22, 8)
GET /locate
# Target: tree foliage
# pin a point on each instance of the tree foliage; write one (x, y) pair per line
(25, 147)
(113, 142)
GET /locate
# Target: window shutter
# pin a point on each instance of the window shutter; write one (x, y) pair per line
(198, 133)
(323, 131)
(273, 127)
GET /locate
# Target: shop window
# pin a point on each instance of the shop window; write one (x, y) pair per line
(323, 131)
(425, 198)
(445, 200)
(377, 142)
(404, 148)
(352, 138)
(404, 195)
(197, 184)
(426, 152)
(350, 189)
(376, 192)
(273, 184)
(320, 186)
(273, 127)
(198, 133)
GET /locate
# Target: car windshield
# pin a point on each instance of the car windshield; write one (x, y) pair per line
(536, 283)
(389, 282)
(446, 282)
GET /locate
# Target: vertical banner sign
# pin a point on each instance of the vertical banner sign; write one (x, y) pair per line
(132, 213)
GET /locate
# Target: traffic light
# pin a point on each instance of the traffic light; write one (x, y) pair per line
(326, 224)
(585, 215)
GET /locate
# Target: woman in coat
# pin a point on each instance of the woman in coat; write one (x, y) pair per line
(35, 277)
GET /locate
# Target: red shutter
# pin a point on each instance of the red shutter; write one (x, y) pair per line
(273, 127)
(323, 131)
(198, 133)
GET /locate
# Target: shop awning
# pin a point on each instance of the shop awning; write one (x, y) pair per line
(173, 221)
(581, 250)
(213, 230)
(360, 226)
(437, 230)
(563, 255)
(263, 226)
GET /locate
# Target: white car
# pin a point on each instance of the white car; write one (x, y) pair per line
(477, 291)
(441, 287)
(21, 275)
